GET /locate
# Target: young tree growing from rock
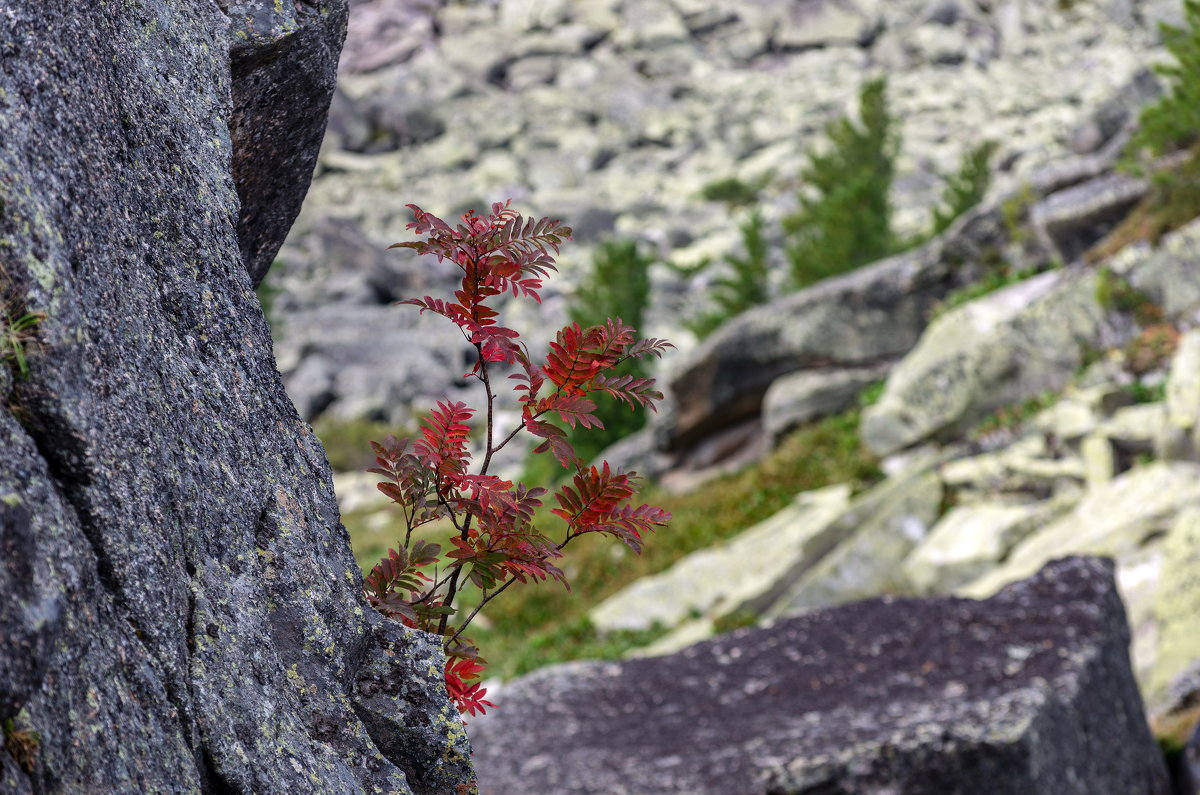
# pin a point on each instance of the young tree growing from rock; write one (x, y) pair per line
(495, 538)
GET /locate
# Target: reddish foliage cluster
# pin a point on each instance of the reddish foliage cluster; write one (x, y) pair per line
(495, 542)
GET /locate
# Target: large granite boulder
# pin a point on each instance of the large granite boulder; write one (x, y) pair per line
(180, 610)
(1029, 691)
(996, 351)
(284, 58)
(861, 319)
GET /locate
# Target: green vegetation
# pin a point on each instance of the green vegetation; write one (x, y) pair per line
(871, 393)
(533, 627)
(617, 286)
(1173, 122)
(267, 291)
(1171, 127)
(1010, 417)
(966, 187)
(735, 192)
(1015, 211)
(21, 744)
(17, 327)
(844, 218)
(1114, 292)
(564, 641)
(748, 283)
(15, 334)
(348, 442)
(1148, 393)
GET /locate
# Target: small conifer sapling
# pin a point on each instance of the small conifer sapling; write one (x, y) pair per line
(496, 540)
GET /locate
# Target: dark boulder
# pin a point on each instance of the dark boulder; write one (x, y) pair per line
(1030, 691)
(868, 317)
(179, 608)
(284, 58)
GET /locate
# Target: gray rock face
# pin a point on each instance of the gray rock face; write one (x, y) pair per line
(864, 318)
(180, 611)
(869, 561)
(1029, 691)
(284, 58)
(803, 397)
(1073, 220)
(996, 351)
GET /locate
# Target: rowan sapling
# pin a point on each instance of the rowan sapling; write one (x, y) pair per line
(494, 541)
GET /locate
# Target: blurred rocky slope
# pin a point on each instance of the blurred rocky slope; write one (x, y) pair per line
(613, 115)
(1044, 419)
(1054, 416)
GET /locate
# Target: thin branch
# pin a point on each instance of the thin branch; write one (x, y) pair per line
(487, 597)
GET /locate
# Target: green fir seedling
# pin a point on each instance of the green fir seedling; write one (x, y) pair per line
(844, 218)
(747, 282)
(966, 187)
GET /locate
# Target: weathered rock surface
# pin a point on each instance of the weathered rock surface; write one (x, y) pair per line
(1177, 611)
(1165, 273)
(180, 611)
(869, 561)
(1180, 436)
(971, 539)
(1113, 519)
(746, 574)
(799, 398)
(1073, 220)
(284, 58)
(859, 320)
(996, 351)
(1029, 691)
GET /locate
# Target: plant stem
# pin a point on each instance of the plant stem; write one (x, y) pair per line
(452, 583)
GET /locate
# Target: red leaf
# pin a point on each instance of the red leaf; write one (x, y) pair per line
(469, 699)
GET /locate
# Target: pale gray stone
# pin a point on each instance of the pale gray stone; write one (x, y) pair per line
(742, 575)
(1181, 434)
(1167, 273)
(808, 395)
(1113, 519)
(858, 320)
(869, 561)
(1073, 220)
(973, 538)
(996, 351)
(1176, 611)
